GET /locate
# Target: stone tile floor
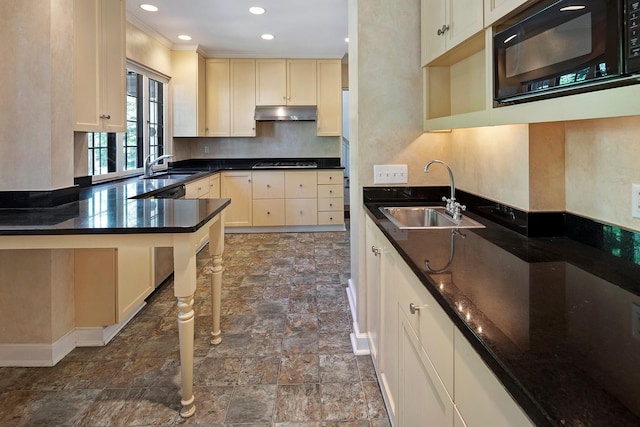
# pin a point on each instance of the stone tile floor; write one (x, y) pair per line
(285, 359)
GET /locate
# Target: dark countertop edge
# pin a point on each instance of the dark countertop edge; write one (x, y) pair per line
(530, 406)
(117, 230)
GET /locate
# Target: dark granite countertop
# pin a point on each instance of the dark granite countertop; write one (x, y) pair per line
(553, 318)
(111, 208)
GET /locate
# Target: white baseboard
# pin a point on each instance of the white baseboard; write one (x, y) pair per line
(42, 355)
(359, 341)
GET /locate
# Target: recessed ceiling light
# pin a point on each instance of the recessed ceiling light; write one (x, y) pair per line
(268, 36)
(148, 7)
(184, 37)
(257, 10)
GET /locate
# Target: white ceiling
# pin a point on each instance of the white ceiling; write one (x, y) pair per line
(225, 28)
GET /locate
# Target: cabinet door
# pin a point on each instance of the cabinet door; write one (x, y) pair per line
(330, 204)
(301, 82)
(496, 9)
(243, 97)
(99, 66)
(135, 278)
(187, 85)
(423, 400)
(467, 18)
(434, 18)
(301, 212)
(330, 177)
(218, 84)
(268, 212)
(373, 260)
(480, 397)
(267, 185)
(299, 185)
(237, 187)
(214, 186)
(114, 77)
(329, 94)
(335, 190)
(271, 82)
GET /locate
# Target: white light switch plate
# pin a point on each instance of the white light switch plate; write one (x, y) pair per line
(635, 200)
(390, 174)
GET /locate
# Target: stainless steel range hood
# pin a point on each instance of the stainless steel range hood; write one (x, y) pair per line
(286, 112)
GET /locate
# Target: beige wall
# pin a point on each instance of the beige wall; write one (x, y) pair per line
(602, 163)
(37, 300)
(518, 165)
(36, 124)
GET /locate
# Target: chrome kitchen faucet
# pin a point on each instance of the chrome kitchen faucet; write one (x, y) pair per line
(148, 163)
(453, 208)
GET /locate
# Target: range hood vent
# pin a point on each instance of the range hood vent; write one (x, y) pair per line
(286, 112)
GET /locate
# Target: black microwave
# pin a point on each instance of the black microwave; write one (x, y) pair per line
(564, 47)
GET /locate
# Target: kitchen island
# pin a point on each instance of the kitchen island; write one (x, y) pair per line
(106, 216)
(553, 320)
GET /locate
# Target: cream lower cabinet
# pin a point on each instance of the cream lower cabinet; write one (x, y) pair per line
(214, 186)
(198, 189)
(268, 198)
(428, 372)
(236, 186)
(110, 284)
(330, 197)
(301, 198)
(423, 400)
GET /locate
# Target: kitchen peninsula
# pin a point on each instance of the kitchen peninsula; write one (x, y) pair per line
(107, 216)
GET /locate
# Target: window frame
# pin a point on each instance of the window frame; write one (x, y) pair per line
(120, 171)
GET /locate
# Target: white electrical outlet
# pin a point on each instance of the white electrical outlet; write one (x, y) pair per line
(635, 200)
(635, 320)
(390, 174)
(206, 149)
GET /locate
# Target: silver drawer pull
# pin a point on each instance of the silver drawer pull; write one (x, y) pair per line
(376, 251)
(413, 308)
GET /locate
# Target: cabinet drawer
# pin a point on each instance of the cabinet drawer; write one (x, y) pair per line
(432, 325)
(336, 190)
(301, 212)
(331, 204)
(197, 189)
(267, 185)
(299, 185)
(330, 177)
(268, 212)
(330, 217)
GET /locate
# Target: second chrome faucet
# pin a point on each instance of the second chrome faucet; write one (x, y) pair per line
(453, 208)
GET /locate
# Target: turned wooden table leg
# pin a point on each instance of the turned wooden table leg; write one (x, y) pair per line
(186, 322)
(216, 248)
(184, 288)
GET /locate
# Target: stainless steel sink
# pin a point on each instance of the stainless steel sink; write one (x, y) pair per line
(422, 217)
(170, 176)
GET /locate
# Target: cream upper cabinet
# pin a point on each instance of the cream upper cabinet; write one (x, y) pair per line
(285, 82)
(329, 93)
(447, 23)
(188, 89)
(99, 70)
(243, 97)
(496, 9)
(218, 97)
(230, 97)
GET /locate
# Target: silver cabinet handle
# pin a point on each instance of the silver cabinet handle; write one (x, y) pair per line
(443, 30)
(413, 308)
(106, 116)
(376, 251)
